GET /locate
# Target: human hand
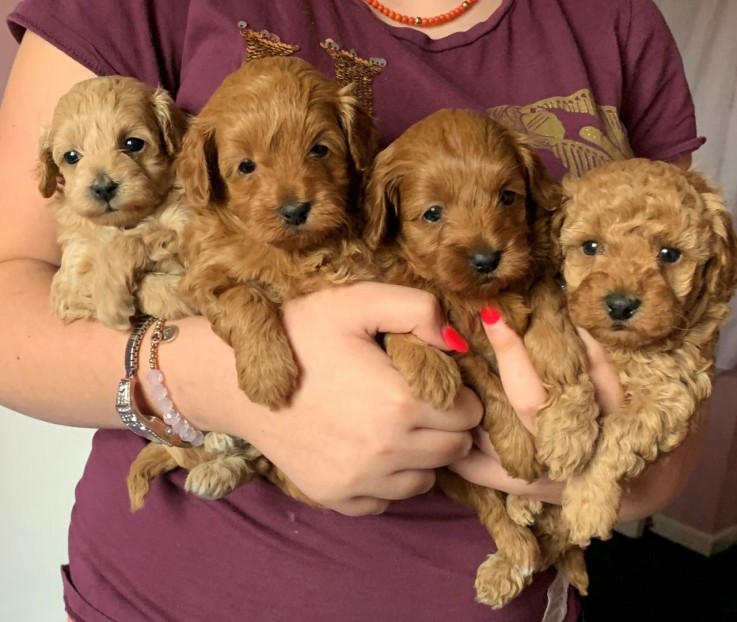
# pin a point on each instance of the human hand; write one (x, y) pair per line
(526, 394)
(353, 438)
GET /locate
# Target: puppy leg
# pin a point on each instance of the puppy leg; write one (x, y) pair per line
(567, 424)
(71, 286)
(503, 575)
(511, 440)
(523, 510)
(246, 318)
(154, 459)
(631, 437)
(432, 375)
(555, 549)
(158, 295)
(118, 265)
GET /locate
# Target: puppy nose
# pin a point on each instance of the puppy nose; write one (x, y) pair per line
(103, 188)
(485, 261)
(295, 214)
(621, 307)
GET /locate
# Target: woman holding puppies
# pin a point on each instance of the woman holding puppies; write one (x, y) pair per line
(588, 81)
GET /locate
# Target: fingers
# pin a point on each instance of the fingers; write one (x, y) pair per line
(521, 382)
(381, 308)
(395, 487)
(484, 470)
(464, 415)
(360, 506)
(609, 392)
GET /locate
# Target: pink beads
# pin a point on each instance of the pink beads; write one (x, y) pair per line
(171, 415)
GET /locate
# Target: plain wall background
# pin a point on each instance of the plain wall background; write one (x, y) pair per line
(39, 466)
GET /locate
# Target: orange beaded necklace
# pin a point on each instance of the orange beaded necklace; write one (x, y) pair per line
(422, 21)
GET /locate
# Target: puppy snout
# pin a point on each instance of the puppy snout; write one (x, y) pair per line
(104, 188)
(485, 261)
(295, 214)
(621, 307)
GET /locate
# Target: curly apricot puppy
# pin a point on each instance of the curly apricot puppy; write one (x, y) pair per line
(109, 157)
(650, 265)
(272, 169)
(459, 206)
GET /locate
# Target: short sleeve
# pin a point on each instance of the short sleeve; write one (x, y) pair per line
(657, 107)
(139, 38)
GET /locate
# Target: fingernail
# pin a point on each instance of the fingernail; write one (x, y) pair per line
(490, 315)
(454, 340)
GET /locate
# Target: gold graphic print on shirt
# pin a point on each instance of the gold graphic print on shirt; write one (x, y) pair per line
(350, 68)
(593, 146)
(263, 44)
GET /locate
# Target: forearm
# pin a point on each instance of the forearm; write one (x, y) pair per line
(68, 374)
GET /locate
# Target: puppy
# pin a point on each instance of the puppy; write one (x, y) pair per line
(271, 167)
(459, 206)
(649, 265)
(108, 156)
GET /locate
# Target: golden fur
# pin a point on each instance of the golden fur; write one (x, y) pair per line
(459, 206)
(654, 289)
(120, 215)
(275, 136)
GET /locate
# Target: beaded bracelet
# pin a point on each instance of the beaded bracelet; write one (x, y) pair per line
(150, 428)
(155, 378)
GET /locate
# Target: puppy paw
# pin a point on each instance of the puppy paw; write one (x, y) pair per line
(115, 312)
(438, 382)
(498, 581)
(432, 375)
(518, 457)
(568, 455)
(523, 510)
(268, 381)
(158, 295)
(218, 477)
(587, 518)
(566, 441)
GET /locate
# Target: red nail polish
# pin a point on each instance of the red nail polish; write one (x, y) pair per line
(490, 315)
(455, 340)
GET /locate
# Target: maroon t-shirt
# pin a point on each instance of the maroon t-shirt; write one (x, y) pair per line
(587, 80)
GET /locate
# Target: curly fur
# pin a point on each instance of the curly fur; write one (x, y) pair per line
(120, 252)
(306, 141)
(495, 197)
(638, 212)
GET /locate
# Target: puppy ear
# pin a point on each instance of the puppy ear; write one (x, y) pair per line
(359, 129)
(381, 200)
(172, 121)
(48, 171)
(544, 196)
(720, 272)
(558, 220)
(197, 166)
(544, 191)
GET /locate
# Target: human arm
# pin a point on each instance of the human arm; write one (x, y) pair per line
(646, 494)
(352, 439)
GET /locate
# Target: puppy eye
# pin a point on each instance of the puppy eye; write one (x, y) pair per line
(319, 150)
(72, 157)
(507, 197)
(133, 145)
(669, 255)
(246, 167)
(591, 248)
(434, 214)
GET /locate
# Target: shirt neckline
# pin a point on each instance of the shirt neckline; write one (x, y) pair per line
(455, 40)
